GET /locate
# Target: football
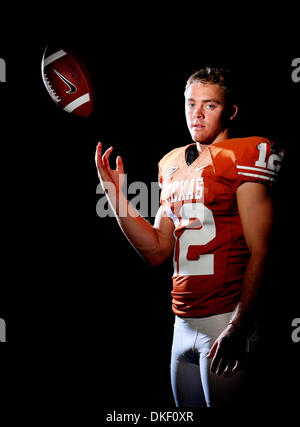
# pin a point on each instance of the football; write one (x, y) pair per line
(67, 82)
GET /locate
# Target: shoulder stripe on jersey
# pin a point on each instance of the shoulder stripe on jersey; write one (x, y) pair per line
(256, 176)
(268, 171)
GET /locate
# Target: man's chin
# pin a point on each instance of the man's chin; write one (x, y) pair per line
(204, 139)
(201, 139)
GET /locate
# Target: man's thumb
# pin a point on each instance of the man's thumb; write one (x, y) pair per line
(212, 351)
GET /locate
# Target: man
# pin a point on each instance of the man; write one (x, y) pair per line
(216, 217)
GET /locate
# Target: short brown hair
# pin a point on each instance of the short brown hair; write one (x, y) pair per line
(218, 76)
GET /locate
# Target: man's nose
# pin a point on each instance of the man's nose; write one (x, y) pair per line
(198, 112)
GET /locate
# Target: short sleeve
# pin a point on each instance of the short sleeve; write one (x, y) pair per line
(259, 162)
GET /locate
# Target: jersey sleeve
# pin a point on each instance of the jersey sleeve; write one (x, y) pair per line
(259, 161)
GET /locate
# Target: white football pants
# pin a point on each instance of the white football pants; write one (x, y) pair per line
(193, 384)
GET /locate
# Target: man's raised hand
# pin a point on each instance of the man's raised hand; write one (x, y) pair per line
(111, 180)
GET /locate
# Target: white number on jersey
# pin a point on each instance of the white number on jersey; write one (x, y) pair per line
(261, 162)
(194, 215)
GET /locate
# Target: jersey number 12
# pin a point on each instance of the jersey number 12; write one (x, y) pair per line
(194, 215)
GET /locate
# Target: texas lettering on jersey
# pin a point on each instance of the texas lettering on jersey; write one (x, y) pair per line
(210, 254)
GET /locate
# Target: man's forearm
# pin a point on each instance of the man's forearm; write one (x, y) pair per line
(253, 278)
(140, 233)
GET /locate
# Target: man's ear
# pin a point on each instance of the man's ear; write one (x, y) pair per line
(233, 112)
(229, 114)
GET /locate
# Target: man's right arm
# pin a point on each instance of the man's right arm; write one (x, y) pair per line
(154, 243)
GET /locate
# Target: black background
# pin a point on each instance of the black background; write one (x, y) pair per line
(86, 317)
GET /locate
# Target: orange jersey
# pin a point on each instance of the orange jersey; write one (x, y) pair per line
(210, 254)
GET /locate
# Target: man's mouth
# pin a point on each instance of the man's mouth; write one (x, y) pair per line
(198, 126)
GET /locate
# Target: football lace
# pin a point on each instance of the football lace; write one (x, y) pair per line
(50, 89)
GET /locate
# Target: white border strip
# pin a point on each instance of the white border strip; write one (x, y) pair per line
(77, 103)
(257, 169)
(256, 176)
(54, 57)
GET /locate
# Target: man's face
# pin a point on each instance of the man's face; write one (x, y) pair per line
(204, 106)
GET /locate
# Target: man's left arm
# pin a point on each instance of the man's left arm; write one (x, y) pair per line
(256, 212)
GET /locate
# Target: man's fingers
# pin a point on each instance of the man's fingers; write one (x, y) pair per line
(119, 165)
(98, 156)
(105, 173)
(216, 353)
(215, 363)
(222, 366)
(236, 367)
(101, 167)
(105, 158)
(228, 371)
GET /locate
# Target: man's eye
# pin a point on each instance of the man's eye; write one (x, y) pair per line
(190, 105)
(210, 106)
